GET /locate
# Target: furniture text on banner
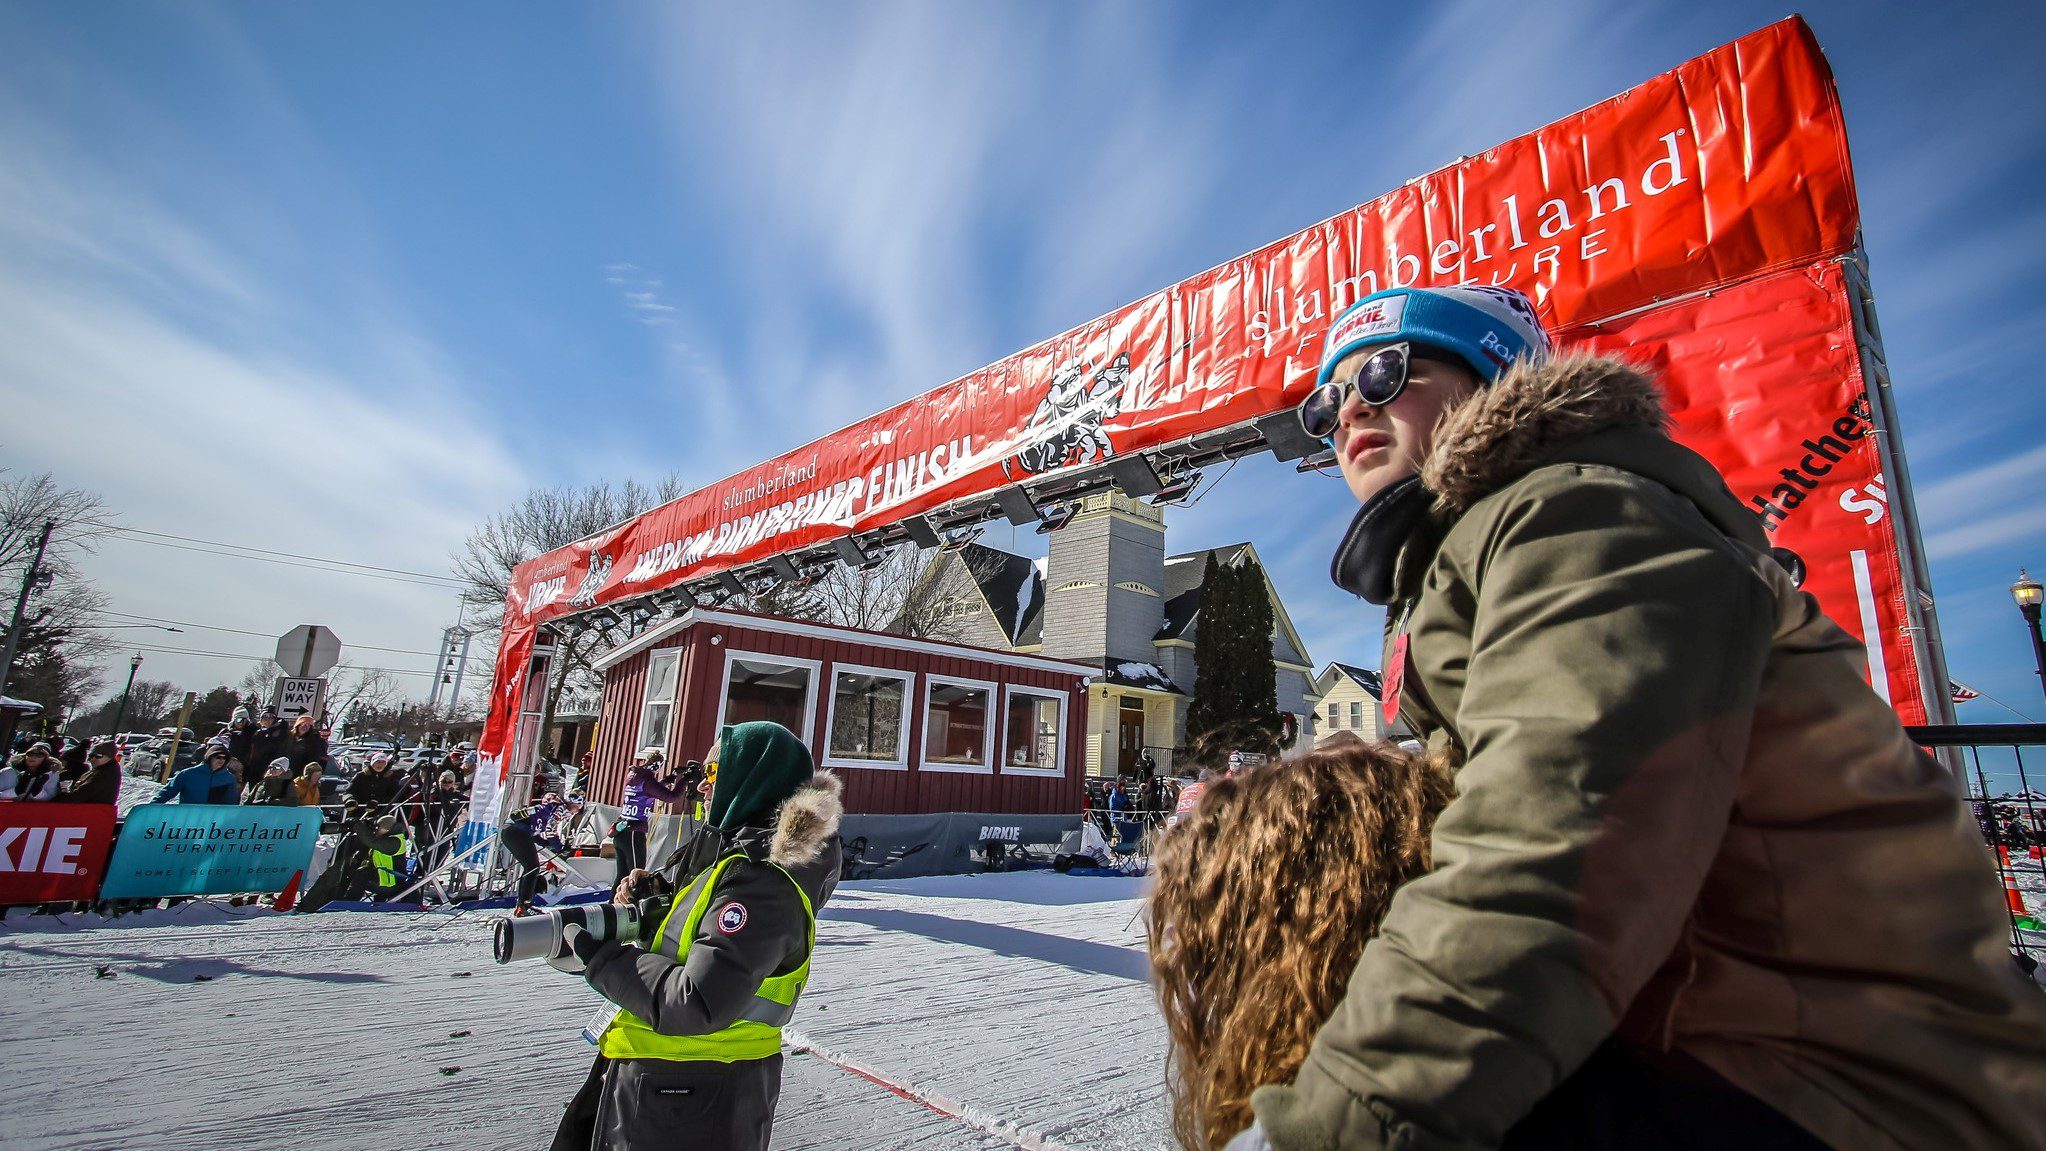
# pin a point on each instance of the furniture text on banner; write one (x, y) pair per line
(168, 849)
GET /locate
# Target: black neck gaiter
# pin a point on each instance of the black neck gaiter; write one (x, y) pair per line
(1363, 565)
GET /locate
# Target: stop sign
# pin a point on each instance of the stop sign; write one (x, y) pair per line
(308, 650)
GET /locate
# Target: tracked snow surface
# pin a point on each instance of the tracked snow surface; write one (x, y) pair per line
(969, 1012)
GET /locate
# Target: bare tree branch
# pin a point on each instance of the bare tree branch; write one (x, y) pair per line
(56, 660)
(27, 502)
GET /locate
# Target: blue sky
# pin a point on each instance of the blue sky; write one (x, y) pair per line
(342, 279)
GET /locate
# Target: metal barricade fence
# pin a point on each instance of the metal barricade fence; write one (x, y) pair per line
(2012, 820)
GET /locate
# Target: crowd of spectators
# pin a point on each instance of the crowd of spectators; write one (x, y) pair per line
(410, 814)
(79, 773)
(2012, 824)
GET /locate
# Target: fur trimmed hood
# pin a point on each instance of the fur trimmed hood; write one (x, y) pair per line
(806, 821)
(1510, 427)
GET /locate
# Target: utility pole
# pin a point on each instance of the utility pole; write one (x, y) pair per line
(29, 583)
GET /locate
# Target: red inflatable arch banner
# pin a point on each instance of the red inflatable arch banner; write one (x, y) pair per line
(1703, 223)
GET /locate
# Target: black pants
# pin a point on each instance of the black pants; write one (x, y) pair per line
(629, 841)
(658, 1104)
(518, 839)
(1624, 1099)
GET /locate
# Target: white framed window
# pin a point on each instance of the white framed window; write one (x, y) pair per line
(1335, 715)
(959, 725)
(657, 709)
(777, 688)
(1034, 731)
(867, 721)
(1357, 714)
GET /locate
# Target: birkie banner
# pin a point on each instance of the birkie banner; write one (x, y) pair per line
(52, 852)
(1698, 223)
(172, 849)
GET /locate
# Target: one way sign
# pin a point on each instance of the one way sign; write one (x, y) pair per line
(296, 697)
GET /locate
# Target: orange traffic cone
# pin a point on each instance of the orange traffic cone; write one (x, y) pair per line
(2011, 895)
(288, 898)
(2002, 855)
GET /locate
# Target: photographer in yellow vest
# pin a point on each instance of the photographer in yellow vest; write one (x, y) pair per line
(692, 1058)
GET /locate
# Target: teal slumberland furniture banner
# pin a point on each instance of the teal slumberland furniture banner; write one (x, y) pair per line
(168, 849)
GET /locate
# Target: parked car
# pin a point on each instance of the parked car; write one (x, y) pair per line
(147, 758)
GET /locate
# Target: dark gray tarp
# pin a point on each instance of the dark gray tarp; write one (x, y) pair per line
(945, 843)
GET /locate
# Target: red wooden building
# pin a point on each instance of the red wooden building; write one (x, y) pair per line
(910, 725)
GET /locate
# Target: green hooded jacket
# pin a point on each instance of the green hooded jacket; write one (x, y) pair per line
(759, 765)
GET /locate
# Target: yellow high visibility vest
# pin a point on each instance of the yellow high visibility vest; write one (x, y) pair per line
(387, 865)
(757, 1032)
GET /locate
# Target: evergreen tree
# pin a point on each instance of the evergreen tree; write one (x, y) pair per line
(1259, 678)
(1235, 703)
(212, 711)
(1210, 674)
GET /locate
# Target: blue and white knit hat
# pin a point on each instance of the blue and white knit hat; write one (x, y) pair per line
(1487, 328)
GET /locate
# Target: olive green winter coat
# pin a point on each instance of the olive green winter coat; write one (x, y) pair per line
(1683, 818)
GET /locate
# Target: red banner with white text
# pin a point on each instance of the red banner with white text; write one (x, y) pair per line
(1764, 379)
(53, 852)
(1728, 169)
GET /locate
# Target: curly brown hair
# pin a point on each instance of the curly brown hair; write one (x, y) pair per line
(1262, 901)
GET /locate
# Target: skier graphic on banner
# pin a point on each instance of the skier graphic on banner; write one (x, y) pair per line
(593, 581)
(1065, 430)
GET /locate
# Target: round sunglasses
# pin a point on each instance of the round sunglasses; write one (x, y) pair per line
(1378, 381)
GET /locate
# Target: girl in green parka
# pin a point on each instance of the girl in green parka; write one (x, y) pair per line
(1697, 887)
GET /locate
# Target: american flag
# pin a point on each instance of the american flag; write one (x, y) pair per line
(1961, 692)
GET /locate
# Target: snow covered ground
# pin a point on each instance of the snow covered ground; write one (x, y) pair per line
(995, 1012)
(1015, 1005)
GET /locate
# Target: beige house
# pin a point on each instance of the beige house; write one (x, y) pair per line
(1107, 595)
(1346, 699)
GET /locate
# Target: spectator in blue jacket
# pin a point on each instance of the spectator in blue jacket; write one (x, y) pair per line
(217, 779)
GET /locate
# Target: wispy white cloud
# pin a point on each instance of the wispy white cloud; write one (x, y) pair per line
(878, 162)
(1975, 510)
(189, 437)
(178, 369)
(641, 293)
(54, 222)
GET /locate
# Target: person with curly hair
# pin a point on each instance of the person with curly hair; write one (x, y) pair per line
(1262, 898)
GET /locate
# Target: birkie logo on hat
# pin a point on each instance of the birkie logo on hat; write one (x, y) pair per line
(1487, 328)
(1372, 318)
(731, 917)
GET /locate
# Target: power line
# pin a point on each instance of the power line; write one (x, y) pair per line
(255, 658)
(280, 562)
(284, 559)
(289, 555)
(259, 634)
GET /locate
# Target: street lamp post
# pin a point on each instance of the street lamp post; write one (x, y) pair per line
(121, 715)
(2029, 593)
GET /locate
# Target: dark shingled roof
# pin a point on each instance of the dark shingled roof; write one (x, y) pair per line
(1365, 677)
(1010, 583)
(1011, 586)
(1149, 676)
(1182, 591)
